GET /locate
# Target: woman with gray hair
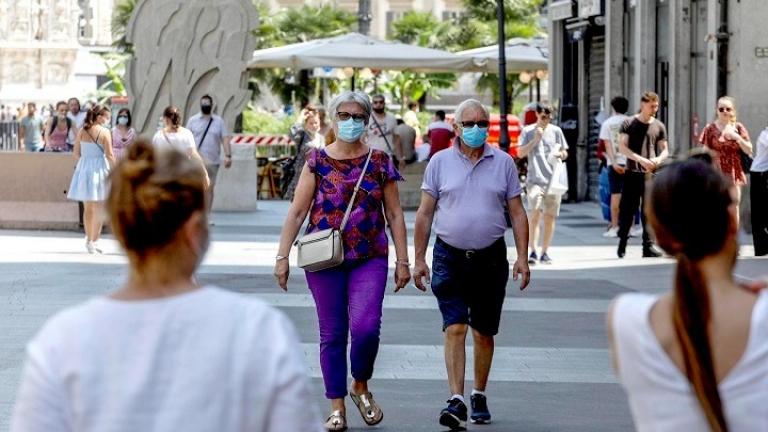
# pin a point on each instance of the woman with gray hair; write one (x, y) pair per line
(349, 297)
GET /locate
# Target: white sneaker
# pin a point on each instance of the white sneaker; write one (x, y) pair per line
(611, 232)
(97, 248)
(636, 231)
(89, 247)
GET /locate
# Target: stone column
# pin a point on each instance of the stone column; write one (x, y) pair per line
(645, 47)
(680, 113)
(614, 50)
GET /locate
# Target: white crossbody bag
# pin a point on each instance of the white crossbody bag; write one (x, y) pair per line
(324, 249)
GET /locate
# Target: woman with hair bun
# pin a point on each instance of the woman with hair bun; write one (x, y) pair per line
(695, 358)
(175, 136)
(163, 353)
(93, 150)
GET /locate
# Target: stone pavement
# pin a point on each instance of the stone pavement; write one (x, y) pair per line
(551, 371)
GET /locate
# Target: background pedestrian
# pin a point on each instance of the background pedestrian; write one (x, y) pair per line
(93, 150)
(349, 297)
(380, 132)
(211, 136)
(58, 129)
(173, 136)
(162, 352)
(759, 195)
(407, 137)
(306, 137)
(643, 140)
(545, 146)
(728, 138)
(695, 358)
(123, 135)
(31, 130)
(439, 134)
(616, 163)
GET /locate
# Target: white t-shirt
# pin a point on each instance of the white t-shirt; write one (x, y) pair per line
(182, 140)
(760, 163)
(207, 360)
(376, 137)
(609, 132)
(210, 150)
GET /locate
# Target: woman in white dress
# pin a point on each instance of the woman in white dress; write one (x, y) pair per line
(163, 353)
(695, 358)
(175, 136)
(93, 150)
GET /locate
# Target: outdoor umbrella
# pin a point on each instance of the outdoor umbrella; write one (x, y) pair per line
(522, 55)
(358, 51)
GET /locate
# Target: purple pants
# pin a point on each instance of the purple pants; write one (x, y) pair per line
(348, 299)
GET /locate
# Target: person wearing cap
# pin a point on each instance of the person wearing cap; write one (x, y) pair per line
(543, 143)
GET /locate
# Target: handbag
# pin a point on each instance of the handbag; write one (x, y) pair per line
(746, 161)
(324, 249)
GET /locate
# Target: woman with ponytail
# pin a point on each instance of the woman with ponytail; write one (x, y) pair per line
(93, 150)
(695, 358)
(163, 353)
(174, 136)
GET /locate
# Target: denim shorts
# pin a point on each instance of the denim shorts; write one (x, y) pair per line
(470, 286)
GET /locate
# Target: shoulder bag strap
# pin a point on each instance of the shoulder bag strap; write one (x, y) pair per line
(168, 140)
(205, 133)
(354, 193)
(378, 126)
(96, 141)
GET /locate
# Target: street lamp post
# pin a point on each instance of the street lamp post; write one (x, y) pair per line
(503, 129)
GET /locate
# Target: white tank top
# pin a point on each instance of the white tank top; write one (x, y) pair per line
(660, 396)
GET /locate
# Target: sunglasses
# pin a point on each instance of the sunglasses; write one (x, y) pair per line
(378, 102)
(343, 116)
(725, 109)
(545, 112)
(471, 124)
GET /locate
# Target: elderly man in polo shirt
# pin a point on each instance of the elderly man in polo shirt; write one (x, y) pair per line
(465, 191)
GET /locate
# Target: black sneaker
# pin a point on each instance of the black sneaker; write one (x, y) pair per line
(622, 250)
(533, 258)
(651, 252)
(545, 259)
(479, 403)
(454, 415)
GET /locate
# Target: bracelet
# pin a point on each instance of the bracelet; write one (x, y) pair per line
(280, 257)
(403, 262)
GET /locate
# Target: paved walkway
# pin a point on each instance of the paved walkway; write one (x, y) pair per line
(551, 370)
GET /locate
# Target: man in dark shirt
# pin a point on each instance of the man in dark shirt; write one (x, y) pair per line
(643, 140)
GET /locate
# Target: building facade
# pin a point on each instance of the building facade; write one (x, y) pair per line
(690, 52)
(46, 48)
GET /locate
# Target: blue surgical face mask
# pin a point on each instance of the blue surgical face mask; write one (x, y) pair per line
(475, 136)
(122, 120)
(350, 130)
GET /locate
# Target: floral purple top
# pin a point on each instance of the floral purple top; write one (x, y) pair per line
(364, 236)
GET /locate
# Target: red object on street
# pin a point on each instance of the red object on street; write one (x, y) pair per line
(513, 127)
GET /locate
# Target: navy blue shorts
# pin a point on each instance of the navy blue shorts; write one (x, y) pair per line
(470, 286)
(615, 180)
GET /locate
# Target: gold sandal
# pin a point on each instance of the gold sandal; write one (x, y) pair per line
(369, 410)
(336, 421)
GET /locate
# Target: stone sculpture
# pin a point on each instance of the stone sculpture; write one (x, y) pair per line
(184, 49)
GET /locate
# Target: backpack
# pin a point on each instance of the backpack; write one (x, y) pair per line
(55, 120)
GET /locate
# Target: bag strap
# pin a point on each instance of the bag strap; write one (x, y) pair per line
(354, 193)
(378, 126)
(205, 133)
(96, 141)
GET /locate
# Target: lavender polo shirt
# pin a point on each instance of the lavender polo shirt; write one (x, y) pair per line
(471, 196)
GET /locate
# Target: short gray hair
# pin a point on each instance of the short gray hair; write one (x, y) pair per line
(357, 97)
(470, 103)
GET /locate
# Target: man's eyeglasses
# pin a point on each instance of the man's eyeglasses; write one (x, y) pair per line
(725, 109)
(378, 102)
(471, 124)
(343, 116)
